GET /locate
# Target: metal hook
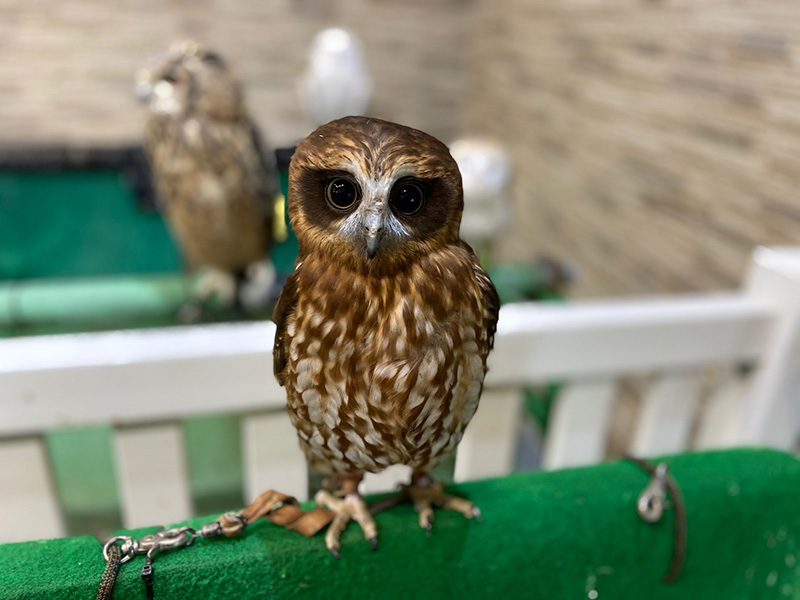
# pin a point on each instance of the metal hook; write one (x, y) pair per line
(167, 539)
(126, 549)
(650, 504)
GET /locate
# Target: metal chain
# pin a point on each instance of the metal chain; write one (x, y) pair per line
(279, 508)
(116, 553)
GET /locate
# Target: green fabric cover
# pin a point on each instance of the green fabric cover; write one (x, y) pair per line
(566, 534)
(78, 224)
(56, 224)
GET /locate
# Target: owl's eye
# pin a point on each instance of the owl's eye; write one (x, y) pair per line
(341, 193)
(408, 198)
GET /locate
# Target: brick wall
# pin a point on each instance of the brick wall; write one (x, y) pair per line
(66, 73)
(655, 141)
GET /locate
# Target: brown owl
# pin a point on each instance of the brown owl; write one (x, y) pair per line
(384, 327)
(217, 184)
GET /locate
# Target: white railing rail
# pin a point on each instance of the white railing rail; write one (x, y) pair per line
(145, 376)
(144, 382)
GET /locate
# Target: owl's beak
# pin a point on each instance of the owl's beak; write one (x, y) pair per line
(373, 224)
(372, 245)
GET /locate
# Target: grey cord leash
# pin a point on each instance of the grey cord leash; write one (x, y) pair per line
(110, 574)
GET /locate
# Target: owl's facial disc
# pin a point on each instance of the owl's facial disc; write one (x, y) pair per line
(407, 201)
(375, 224)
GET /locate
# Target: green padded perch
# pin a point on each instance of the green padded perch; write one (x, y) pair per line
(566, 534)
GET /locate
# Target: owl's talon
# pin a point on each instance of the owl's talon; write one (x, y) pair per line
(426, 493)
(349, 508)
(425, 510)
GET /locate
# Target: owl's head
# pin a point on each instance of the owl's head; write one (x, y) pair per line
(373, 195)
(188, 80)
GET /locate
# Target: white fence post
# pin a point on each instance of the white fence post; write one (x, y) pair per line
(272, 456)
(28, 504)
(771, 414)
(152, 476)
(489, 446)
(723, 410)
(578, 428)
(668, 411)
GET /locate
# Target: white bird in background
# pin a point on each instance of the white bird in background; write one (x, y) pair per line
(336, 82)
(486, 175)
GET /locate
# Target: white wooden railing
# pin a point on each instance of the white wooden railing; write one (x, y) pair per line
(144, 382)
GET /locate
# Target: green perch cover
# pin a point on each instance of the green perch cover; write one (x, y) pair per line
(565, 534)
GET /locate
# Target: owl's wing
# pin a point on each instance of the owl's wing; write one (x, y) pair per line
(155, 146)
(266, 159)
(491, 302)
(283, 310)
(267, 176)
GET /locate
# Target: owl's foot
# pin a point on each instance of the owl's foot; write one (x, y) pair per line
(206, 286)
(215, 283)
(350, 507)
(425, 493)
(255, 288)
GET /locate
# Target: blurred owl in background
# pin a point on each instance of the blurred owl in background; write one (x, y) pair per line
(217, 184)
(336, 82)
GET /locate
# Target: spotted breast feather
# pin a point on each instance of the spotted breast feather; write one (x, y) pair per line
(384, 371)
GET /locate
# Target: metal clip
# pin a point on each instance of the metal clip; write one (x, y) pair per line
(210, 530)
(650, 504)
(151, 544)
(126, 550)
(167, 539)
